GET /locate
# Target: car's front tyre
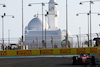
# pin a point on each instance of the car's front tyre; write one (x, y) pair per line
(74, 61)
(93, 60)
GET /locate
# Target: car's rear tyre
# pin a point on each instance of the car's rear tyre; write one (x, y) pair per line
(74, 61)
(93, 60)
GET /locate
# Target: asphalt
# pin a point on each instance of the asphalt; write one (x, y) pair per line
(39, 62)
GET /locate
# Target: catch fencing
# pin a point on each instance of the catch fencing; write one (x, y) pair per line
(51, 42)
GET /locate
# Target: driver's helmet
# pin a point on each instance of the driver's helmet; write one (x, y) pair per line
(84, 54)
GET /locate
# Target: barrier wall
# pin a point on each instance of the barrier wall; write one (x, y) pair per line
(64, 51)
(99, 53)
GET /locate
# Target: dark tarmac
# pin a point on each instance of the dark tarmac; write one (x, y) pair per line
(39, 62)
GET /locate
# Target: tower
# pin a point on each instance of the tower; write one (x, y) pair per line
(53, 15)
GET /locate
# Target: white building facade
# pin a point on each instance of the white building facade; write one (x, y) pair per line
(51, 36)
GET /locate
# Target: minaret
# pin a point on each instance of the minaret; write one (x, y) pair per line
(53, 15)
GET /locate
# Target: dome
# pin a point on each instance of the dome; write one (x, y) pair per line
(35, 23)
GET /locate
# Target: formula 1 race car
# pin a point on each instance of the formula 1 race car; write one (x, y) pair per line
(84, 59)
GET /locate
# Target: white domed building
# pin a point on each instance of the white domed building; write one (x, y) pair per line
(45, 36)
(35, 24)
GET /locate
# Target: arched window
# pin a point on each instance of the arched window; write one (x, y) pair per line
(52, 8)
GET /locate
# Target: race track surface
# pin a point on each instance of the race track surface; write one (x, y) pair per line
(39, 62)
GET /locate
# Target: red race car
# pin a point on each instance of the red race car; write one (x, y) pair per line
(83, 59)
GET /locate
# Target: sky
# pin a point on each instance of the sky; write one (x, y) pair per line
(14, 7)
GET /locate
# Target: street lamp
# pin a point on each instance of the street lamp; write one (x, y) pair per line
(45, 24)
(90, 2)
(3, 5)
(8, 36)
(45, 30)
(42, 19)
(52, 41)
(22, 25)
(67, 25)
(88, 39)
(37, 43)
(2, 16)
(78, 40)
(80, 34)
(88, 23)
